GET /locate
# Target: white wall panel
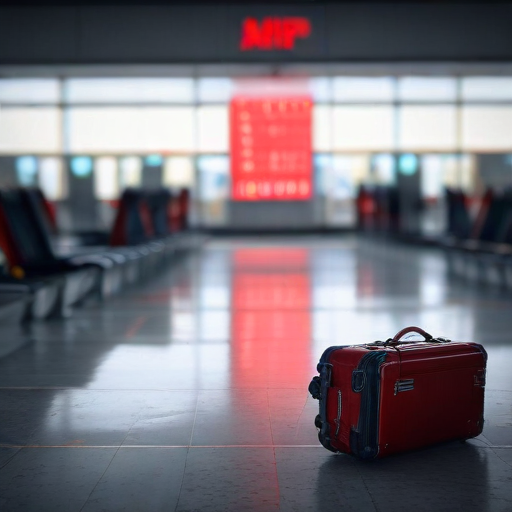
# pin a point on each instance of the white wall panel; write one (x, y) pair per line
(122, 129)
(30, 130)
(213, 123)
(428, 128)
(129, 90)
(487, 128)
(322, 128)
(363, 128)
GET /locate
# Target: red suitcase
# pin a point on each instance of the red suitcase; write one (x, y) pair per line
(398, 395)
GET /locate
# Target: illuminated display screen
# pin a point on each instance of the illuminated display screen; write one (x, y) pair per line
(271, 148)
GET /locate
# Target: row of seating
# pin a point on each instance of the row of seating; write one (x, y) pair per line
(378, 208)
(477, 241)
(47, 276)
(479, 247)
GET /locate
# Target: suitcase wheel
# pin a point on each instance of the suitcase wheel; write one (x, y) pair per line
(318, 421)
(315, 388)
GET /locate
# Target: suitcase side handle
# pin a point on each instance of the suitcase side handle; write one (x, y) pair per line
(407, 330)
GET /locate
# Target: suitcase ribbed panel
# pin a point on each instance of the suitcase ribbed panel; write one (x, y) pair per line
(366, 380)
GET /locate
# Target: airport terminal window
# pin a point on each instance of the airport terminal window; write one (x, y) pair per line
(214, 176)
(213, 129)
(427, 127)
(322, 168)
(30, 91)
(357, 121)
(30, 130)
(467, 172)
(383, 169)
(363, 128)
(449, 170)
(124, 129)
(321, 89)
(129, 90)
(106, 181)
(130, 172)
(214, 188)
(427, 89)
(322, 128)
(432, 176)
(340, 182)
(363, 89)
(348, 171)
(459, 171)
(486, 128)
(178, 172)
(214, 90)
(52, 178)
(486, 88)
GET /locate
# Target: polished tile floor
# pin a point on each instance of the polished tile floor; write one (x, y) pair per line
(190, 393)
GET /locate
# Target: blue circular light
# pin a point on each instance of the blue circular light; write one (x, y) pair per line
(408, 164)
(153, 160)
(26, 170)
(81, 166)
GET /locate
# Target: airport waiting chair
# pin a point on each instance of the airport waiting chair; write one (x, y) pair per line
(458, 221)
(486, 255)
(130, 253)
(29, 254)
(15, 305)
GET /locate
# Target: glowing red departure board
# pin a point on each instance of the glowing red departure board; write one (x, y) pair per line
(271, 148)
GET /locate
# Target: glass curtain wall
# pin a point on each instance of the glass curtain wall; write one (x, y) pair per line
(361, 126)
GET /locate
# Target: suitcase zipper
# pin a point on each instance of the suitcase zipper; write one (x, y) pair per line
(337, 421)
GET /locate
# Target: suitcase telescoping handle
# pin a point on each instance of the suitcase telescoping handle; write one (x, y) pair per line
(399, 335)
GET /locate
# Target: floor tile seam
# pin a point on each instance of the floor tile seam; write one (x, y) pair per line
(502, 460)
(199, 308)
(188, 452)
(10, 458)
(276, 475)
(127, 390)
(137, 420)
(367, 488)
(189, 447)
(144, 446)
(71, 388)
(99, 479)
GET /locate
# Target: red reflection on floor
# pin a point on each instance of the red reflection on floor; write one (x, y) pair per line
(271, 318)
(366, 284)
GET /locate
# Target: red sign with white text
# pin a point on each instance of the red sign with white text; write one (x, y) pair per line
(271, 148)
